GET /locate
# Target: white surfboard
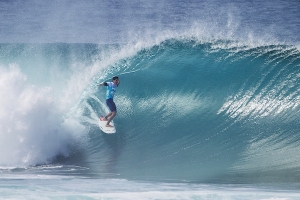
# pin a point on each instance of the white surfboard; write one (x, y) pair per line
(108, 130)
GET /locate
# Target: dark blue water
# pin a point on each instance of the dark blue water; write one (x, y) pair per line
(208, 95)
(122, 21)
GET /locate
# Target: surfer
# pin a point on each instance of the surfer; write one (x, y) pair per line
(110, 91)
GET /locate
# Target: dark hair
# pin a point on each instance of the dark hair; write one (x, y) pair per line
(115, 77)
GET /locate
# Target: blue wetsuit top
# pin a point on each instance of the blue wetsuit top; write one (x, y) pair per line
(110, 90)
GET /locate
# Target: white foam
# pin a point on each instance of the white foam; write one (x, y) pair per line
(43, 187)
(31, 127)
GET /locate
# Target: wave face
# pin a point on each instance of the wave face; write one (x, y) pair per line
(205, 111)
(188, 110)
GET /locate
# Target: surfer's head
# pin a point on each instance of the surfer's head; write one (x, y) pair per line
(116, 80)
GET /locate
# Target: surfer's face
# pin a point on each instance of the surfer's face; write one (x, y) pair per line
(116, 81)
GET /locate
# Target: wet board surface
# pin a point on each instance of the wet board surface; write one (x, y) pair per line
(108, 130)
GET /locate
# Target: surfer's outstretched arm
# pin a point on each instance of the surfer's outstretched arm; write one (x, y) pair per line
(104, 83)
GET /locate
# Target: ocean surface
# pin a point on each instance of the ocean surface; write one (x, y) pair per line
(208, 104)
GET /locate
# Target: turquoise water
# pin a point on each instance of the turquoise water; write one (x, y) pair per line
(208, 105)
(188, 112)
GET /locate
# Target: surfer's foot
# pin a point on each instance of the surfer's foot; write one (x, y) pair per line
(108, 125)
(103, 119)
